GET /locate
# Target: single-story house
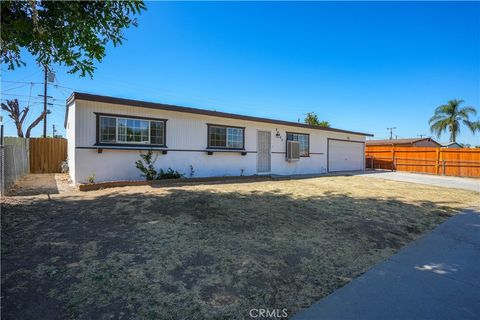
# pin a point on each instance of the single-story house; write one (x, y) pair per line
(106, 135)
(409, 142)
(451, 145)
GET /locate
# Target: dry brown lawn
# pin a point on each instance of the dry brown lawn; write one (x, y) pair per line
(206, 251)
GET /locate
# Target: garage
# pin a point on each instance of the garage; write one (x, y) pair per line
(345, 155)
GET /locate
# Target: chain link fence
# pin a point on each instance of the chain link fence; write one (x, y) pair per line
(14, 161)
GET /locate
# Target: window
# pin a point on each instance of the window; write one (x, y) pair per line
(303, 142)
(157, 129)
(131, 130)
(108, 129)
(225, 137)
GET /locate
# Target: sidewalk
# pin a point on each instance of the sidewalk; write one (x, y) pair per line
(436, 277)
(439, 181)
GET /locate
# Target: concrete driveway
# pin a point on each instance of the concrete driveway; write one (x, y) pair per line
(439, 181)
(436, 277)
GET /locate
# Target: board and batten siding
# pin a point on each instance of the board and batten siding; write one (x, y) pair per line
(71, 138)
(186, 140)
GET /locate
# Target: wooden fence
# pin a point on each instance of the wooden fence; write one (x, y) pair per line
(47, 154)
(439, 161)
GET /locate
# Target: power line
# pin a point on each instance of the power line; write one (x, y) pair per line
(13, 88)
(26, 96)
(35, 101)
(27, 82)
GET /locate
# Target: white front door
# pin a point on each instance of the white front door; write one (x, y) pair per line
(264, 143)
(345, 155)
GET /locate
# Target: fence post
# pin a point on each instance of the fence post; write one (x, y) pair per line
(393, 158)
(437, 160)
(444, 167)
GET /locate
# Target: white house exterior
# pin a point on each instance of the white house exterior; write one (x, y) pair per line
(106, 135)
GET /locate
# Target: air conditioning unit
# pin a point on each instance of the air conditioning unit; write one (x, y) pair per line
(293, 151)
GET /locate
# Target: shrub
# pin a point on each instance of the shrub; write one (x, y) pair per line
(64, 166)
(169, 174)
(192, 171)
(91, 178)
(145, 165)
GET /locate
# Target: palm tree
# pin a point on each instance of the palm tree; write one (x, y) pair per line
(450, 116)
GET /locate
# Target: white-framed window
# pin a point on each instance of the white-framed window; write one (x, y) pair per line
(119, 129)
(226, 137)
(303, 142)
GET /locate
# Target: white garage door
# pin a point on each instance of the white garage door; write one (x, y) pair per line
(345, 155)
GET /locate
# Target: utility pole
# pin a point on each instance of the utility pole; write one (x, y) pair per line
(45, 69)
(421, 135)
(391, 132)
(54, 132)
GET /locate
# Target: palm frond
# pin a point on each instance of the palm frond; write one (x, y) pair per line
(465, 112)
(439, 127)
(443, 109)
(474, 126)
(436, 118)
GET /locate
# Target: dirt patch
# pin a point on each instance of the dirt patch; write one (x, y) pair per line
(206, 251)
(42, 183)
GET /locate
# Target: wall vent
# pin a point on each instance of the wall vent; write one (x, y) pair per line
(293, 151)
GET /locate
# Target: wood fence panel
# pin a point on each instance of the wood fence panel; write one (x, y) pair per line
(47, 154)
(418, 160)
(463, 162)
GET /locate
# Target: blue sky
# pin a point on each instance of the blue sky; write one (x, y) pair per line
(361, 66)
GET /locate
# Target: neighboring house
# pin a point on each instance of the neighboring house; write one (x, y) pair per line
(451, 145)
(105, 136)
(414, 142)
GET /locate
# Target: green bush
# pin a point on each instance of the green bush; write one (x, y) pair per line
(146, 165)
(169, 174)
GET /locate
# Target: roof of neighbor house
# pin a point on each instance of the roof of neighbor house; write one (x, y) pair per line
(398, 141)
(152, 105)
(447, 144)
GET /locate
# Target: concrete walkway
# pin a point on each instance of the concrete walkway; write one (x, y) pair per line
(439, 181)
(436, 277)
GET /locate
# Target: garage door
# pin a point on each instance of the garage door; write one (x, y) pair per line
(345, 155)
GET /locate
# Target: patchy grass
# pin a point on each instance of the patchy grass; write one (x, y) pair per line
(206, 251)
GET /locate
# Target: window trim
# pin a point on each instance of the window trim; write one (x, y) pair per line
(305, 134)
(226, 138)
(98, 116)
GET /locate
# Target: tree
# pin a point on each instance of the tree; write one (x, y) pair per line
(311, 118)
(72, 33)
(450, 116)
(146, 165)
(18, 116)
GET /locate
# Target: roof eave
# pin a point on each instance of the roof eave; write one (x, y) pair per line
(137, 103)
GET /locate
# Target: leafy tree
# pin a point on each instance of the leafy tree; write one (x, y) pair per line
(324, 124)
(72, 33)
(146, 165)
(450, 116)
(311, 118)
(18, 116)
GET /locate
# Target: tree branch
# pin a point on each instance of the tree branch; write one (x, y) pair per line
(35, 123)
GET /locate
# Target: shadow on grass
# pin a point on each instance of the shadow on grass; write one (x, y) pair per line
(195, 254)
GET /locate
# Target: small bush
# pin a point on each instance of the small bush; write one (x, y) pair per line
(64, 167)
(192, 171)
(169, 174)
(91, 178)
(145, 165)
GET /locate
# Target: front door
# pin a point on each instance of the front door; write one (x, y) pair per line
(263, 151)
